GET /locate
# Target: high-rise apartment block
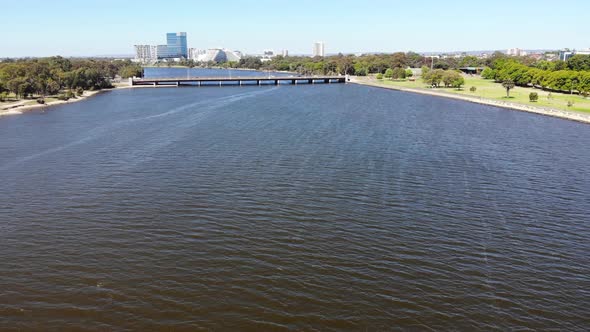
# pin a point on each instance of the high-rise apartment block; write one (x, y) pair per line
(318, 49)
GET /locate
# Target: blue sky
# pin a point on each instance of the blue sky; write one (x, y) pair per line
(74, 28)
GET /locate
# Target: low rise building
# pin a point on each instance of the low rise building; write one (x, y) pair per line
(218, 55)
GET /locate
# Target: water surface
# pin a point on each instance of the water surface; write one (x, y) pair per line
(326, 207)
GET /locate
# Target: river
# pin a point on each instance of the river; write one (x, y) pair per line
(310, 207)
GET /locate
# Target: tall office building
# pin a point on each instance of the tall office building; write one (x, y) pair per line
(177, 46)
(318, 49)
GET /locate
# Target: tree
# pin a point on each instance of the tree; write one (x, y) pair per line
(533, 96)
(469, 61)
(409, 73)
(131, 71)
(508, 85)
(472, 89)
(399, 60)
(379, 76)
(458, 81)
(433, 77)
(452, 78)
(360, 69)
(579, 62)
(488, 73)
(388, 73)
(399, 73)
(52, 87)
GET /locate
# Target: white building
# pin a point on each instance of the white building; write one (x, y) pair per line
(285, 53)
(145, 53)
(516, 52)
(194, 53)
(267, 55)
(318, 49)
(216, 55)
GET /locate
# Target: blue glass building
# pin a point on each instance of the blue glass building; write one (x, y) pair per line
(177, 46)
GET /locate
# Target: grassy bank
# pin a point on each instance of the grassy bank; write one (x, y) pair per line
(488, 89)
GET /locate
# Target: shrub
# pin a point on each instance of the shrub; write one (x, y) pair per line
(549, 96)
(409, 73)
(379, 76)
(79, 91)
(570, 103)
(40, 101)
(388, 73)
(70, 94)
(472, 89)
(533, 97)
(62, 96)
(3, 96)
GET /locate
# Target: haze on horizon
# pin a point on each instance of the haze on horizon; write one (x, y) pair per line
(73, 28)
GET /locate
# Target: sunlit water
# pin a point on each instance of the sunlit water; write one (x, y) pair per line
(326, 207)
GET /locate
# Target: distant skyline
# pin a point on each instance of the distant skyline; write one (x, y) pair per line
(109, 27)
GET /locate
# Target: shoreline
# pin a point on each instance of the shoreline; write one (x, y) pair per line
(562, 114)
(567, 115)
(19, 109)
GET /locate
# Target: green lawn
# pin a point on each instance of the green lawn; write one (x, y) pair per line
(490, 90)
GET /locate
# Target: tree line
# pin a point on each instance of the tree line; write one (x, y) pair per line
(49, 76)
(347, 64)
(572, 76)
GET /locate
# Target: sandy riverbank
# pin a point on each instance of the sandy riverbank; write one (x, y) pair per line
(569, 115)
(21, 106)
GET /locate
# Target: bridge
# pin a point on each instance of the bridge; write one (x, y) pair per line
(238, 80)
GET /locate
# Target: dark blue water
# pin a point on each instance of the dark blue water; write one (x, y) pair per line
(325, 207)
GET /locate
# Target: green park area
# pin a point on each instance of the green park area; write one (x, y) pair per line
(489, 89)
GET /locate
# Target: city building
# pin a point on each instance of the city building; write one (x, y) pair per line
(267, 55)
(233, 56)
(162, 52)
(145, 53)
(516, 52)
(218, 55)
(285, 53)
(177, 46)
(565, 54)
(318, 49)
(194, 53)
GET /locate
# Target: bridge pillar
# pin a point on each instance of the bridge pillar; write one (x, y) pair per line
(327, 80)
(177, 83)
(276, 82)
(155, 83)
(293, 82)
(310, 81)
(257, 82)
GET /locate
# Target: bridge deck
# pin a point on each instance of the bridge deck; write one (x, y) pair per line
(237, 79)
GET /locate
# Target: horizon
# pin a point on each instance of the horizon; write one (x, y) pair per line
(352, 28)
